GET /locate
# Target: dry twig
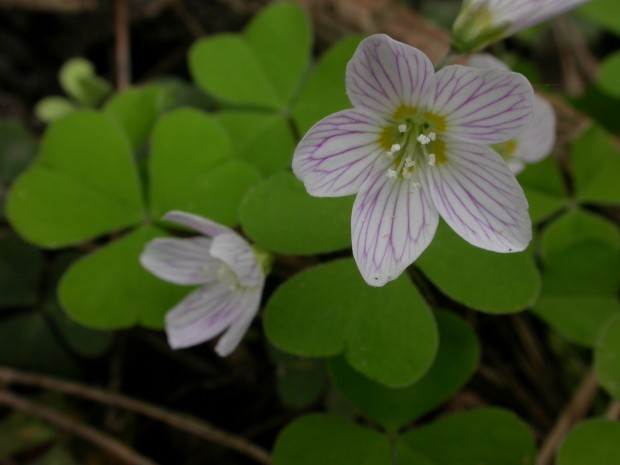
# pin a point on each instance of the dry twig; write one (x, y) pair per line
(177, 420)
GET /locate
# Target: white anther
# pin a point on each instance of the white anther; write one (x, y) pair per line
(389, 154)
(391, 174)
(422, 139)
(415, 186)
(402, 128)
(432, 159)
(432, 136)
(409, 162)
(395, 148)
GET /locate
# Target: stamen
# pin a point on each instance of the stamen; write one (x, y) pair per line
(395, 148)
(422, 139)
(432, 136)
(432, 159)
(402, 128)
(391, 174)
(409, 162)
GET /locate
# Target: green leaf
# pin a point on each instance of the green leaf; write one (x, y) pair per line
(579, 291)
(577, 226)
(135, 110)
(108, 289)
(591, 442)
(485, 436)
(28, 343)
(603, 12)
(607, 357)
(483, 280)
(264, 140)
(79, 80)
(263, 66)
(20, 432)
(456, 360)
(20, 272)
(608, 73)
(544, 188)
(191, 168)
(596, 164)
(328, 440)
(386, 333)
(53, 108)
(83, 184)
(324, 92)
(281, 39)
(280, 216)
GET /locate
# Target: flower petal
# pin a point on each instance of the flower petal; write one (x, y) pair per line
(337, 153)
(486, 61)
(181, 261)
(384, 74)
(235, 251)
(231, 338)
(392, 223)
(482, 106)
(197, 223)
(207, 312)
(478, 196)
(537, 140)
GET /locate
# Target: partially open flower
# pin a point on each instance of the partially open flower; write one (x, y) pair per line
(536, 142)
(416, 146)
(483, 22)
(230, 271)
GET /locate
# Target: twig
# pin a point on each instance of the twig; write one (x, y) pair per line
(576, 409)
(88, 433)
(613, 411)
(57, 6)
(122, 52)
(180, 421)
(190, 22)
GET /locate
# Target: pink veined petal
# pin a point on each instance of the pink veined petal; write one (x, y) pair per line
(233, 335)
(235, 252)
(337, 153)
(181, 261)
(204, 314)
(515, 166)
(537, 140)
(477, 195)
(392, 223)
(384, 74)
(482, 106)
(197, 223)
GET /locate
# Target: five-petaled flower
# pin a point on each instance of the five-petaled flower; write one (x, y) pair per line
(416, 146)
(537, 141)
(231, 274)
(483, 22)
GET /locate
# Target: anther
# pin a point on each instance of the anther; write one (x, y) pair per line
(409, 162)
(432, 136)
(395, 148)
(391, 174)
(422, 139)
(432, 159)
(402, 128)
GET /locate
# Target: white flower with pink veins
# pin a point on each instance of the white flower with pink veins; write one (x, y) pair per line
(416, 146)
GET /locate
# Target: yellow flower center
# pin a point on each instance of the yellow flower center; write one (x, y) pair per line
(412, 140)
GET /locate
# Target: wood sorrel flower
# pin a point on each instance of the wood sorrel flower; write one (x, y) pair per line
(536, 142)
(231, 271)
(483, 22)
(416, 146)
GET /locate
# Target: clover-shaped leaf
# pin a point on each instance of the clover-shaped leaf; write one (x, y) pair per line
(280, 216)
(387, 333)
(191, 168)
(83, 184)
(486, 281)
(544, 188)
(607, 357)
(456, 360)
(108, 288)
(329, 440)
(263, 66)
(593, 442)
